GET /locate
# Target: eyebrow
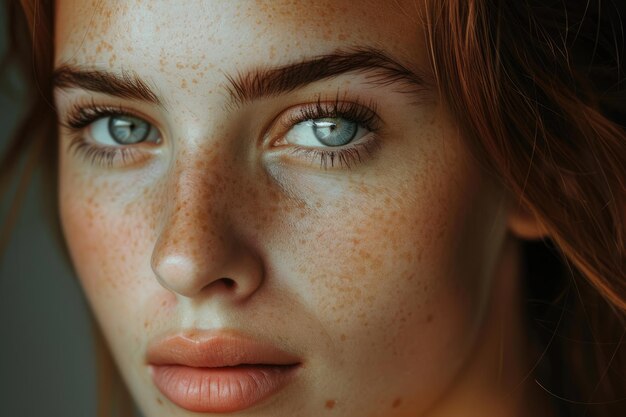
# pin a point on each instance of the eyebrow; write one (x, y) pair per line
(127, 84)
(379, 68)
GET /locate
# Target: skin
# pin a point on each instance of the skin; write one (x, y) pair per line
(395, 280)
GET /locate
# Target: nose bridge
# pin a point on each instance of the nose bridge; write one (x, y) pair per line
(194, 211)
(196, 246)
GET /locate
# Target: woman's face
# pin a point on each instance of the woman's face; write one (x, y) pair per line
(235, 173)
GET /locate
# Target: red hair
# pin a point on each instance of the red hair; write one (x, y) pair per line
(539, 92)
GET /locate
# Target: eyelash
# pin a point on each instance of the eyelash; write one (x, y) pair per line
(351, 110)
(81, 116)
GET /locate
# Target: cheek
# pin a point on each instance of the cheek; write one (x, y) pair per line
(376, 242)
(110, 235)
(398, 267)
(369, 260)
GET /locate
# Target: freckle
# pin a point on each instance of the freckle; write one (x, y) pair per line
(396, 402)
(429, 318)
(194, 81)
(343, 337)
(183, 84)
(145, 324)
(330, 404)
(159, 401)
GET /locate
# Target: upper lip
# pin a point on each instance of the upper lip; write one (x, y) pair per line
(215, 349)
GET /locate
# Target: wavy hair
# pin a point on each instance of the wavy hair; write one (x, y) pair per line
(538, 89)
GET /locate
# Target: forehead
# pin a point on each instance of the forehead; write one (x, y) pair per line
(197, 38)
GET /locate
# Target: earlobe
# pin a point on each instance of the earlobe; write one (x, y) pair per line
(524, 224)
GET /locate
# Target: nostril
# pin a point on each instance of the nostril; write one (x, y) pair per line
(229, 283)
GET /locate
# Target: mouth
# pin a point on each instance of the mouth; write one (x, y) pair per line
(218, 372)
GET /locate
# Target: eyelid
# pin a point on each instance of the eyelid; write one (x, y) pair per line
(364, 115)
(79, 114)
(346, 156)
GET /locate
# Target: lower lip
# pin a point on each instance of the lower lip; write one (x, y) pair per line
(220, 390)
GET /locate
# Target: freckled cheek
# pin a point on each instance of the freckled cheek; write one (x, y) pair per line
(374, 267)
(109, 245)
(375, 274)
(383, 263)
(381, 273)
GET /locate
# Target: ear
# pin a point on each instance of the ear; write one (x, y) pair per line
(524, 224)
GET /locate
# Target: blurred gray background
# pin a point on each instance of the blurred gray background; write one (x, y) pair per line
(46, 351)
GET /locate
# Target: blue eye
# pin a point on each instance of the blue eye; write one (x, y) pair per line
(127, 130)
(327, 131)
(120, 129)
(334, 131)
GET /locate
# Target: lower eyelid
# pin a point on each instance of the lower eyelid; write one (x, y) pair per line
(105, 156)
(340, 157)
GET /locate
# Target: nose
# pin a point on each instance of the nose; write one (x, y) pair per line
(198, 253)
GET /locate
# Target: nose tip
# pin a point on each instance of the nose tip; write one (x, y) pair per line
(173, 273)
(237, 278)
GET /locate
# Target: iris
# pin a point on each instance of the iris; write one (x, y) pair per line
(334, 131)
(127, 130)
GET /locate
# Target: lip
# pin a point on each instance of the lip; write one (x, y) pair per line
(218, 371)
